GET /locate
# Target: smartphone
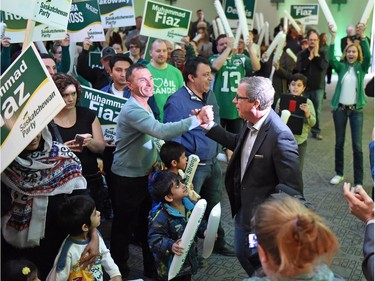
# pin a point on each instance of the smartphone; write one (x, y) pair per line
(79, 140)
(253, 241)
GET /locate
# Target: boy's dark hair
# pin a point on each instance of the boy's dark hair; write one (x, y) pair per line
(119, 57)
(170, 151)
(75, 212)
(160, 184)
(12, 270)
(191, 66)
(299, 76)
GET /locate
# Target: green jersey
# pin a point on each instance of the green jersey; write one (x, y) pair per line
(166, 82)
(227, 80)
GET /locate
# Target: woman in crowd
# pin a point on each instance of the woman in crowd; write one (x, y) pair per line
(293, 242)
(33, 186)
(348, 101)
(73, 120)
(203, 41)
(178, 59)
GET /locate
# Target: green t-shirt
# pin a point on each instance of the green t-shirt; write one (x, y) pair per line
(166, 82)
(226, 83)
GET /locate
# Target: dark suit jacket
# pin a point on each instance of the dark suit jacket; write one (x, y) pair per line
(273, 160)
(368, 252)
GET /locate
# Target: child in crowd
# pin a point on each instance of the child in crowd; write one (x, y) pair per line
(173, 156)
(19, 270)
(79, 216)
(297, 86)
(167, 222)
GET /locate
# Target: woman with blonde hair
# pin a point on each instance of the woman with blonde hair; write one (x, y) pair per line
(293, 241)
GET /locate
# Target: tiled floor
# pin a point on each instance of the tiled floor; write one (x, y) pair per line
(328, 200)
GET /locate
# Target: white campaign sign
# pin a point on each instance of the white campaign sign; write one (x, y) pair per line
(51, 12)
(30, 100)
(16, 29)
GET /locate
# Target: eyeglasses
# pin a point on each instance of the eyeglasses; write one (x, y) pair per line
(133, 47)
(237, 97)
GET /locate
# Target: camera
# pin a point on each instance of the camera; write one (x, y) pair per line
(353, 38)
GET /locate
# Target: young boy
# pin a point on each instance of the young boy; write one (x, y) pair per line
(79, 216)
(167, 222)
(297, 86)
(172, 154)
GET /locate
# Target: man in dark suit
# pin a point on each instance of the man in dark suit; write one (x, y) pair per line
(194, 25)
(265, 154)
(362, 206)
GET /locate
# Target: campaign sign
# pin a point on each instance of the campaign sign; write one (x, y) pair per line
(94, 60)
(232, 16)
(29, 101)
(165, 22)
(51, 12)
(16, 29)
(307, 14)
(84, 21)
(117, 13)
(107, 108)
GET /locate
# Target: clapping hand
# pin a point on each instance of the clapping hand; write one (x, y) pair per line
(360, 204)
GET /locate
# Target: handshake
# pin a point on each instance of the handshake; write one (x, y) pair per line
(205, 115)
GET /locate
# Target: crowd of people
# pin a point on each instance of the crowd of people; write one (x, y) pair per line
(204, 96)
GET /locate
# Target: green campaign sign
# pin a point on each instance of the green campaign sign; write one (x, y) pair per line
(165, 22)
(29, 101)
(84, 21)
(107, 108)
(94, 60)
(51, 12)
(232, 16)
(307, 14)
(117, 13)
(16, 28)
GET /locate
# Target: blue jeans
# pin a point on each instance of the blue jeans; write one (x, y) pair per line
(248, 257)
(340, 118)
(208, 184)
(316, 96)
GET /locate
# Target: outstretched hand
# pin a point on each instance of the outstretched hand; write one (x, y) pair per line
(360, 204)
(205, 115)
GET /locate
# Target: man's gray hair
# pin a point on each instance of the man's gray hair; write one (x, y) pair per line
(259, 88)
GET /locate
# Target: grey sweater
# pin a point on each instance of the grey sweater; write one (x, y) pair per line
(136, 128)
